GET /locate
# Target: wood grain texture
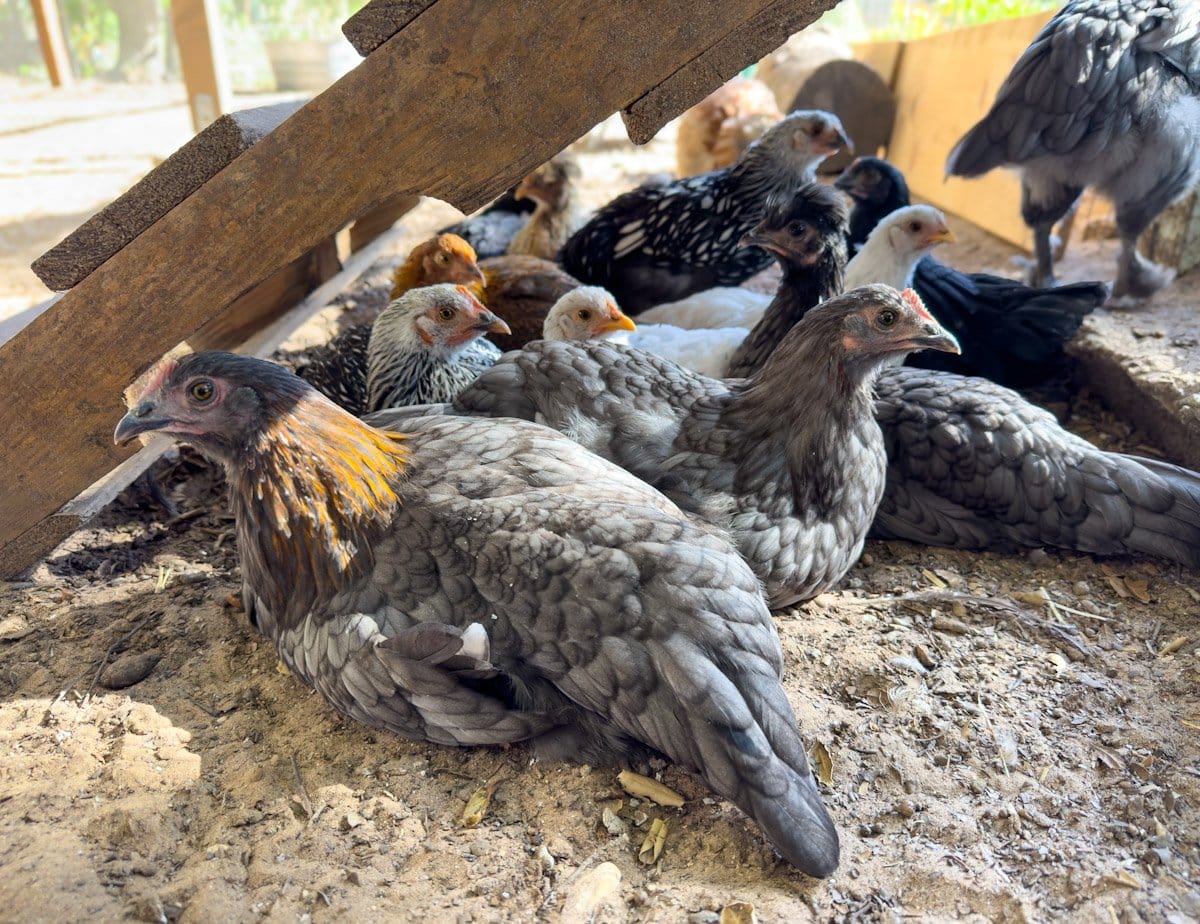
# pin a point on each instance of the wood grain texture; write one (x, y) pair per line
(516, 81)
(740, 34)
(944, 85)
(100, 237)
(379, 20)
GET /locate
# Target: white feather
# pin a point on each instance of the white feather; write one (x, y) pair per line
(705, 351)
(723, 306)
(891, 252)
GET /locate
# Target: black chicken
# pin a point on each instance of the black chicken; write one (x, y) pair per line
(660, 243)
(1010, 333)
(1108, 96)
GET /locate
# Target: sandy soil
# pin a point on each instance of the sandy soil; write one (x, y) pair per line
(1004, 738)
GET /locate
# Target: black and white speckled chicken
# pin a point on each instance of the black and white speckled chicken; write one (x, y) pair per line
(1010, 333)
(1108, 96)
(487, 582)
(661, 243)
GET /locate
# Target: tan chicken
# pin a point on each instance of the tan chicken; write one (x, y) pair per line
(558, 213)
(520, 288)
(437, 260)
(718, 128)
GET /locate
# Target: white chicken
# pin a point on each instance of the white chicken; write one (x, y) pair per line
(705, 351)
(892, 251)
(722, 306)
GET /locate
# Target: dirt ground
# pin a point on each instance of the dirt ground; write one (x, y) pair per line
(1002, 738)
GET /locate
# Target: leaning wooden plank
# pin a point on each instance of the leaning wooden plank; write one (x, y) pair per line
(459, 105)
(740, 33)
(163, 188)
(202, 59)
(18, 556)
(379, 20)
(54, 46)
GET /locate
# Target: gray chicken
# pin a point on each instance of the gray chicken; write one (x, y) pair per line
(1108, 96)
(789, 462)
(480, 582)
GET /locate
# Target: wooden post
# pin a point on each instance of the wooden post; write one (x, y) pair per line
(54, 47)
(198, 34)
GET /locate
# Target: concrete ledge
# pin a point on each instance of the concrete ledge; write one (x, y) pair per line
(113, 227)
(1145, 362)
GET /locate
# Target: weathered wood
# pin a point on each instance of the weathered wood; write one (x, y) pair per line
(742, 34)
(369, 226)
(170, 183)
(861, 99)
(202, 60)
(944, 85)
(54, 46)
(18, 556)
(386, 128)
(379, 20)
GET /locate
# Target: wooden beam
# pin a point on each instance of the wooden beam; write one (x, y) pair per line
(202, 59)
(386, 128)
(369, 226)
(54, 46)
(18, 556)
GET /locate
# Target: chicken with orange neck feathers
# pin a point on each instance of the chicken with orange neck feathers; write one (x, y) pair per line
(486, 582)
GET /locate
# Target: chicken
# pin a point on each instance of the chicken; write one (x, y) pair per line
(974, 465)
(807, 235)
(892, 250)
(558, 214)
(485, 582)
(790, 462)
(661, 243)
(579, 315)
(1009, 333)
(427, 346)
(704, 351)
(709, 132)
(519, 288)
(722, 306)
(1107, 96)
(491, 231)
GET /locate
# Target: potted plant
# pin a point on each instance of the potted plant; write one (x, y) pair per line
(304, 40)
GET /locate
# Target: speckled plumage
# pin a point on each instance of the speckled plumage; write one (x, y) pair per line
(1108, 95)
(493, 582)
(663, 242)
(790, 463)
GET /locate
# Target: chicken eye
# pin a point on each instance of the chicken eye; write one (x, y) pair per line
(815, 129)
(914, 226)
(886, 318)
(202, 391)
(443, 258)
(446, 314)
(584, 315)
(796, 228)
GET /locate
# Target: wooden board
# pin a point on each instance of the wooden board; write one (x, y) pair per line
(516, 81)
(881, 57)
(944, 85)
(53, 45)
(202, 59)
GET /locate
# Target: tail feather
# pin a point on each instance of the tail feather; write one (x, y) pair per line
(1165, 502)
(975, 154)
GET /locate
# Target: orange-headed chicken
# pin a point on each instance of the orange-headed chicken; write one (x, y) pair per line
(558, 213)
(718, 128)
(443, 258)
(519, 288)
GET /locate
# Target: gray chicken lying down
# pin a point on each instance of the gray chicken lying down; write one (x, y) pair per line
(476, 582)
(1108, 95)
(974, 466)
(789, 462)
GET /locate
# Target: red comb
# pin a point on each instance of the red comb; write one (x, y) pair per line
(913, 300)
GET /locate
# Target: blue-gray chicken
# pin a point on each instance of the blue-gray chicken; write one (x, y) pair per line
(481, 582)
(1107, 96)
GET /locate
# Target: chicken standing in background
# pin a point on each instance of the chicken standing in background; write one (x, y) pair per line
(893, 249)
(807, 236)
(1107, 96)
(703, 351)
(519, 288)
(709, 133)
(658, 244)
(789, 462)
(428, 346)
(485, 582)
(1009, 332)
(491, 231)
(558, 214)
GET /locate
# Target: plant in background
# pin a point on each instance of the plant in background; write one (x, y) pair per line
(301, 19)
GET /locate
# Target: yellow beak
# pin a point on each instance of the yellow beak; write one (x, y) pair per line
(944, 236)
(619, 321)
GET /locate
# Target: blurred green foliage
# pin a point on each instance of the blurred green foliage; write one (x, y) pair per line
(892, 20)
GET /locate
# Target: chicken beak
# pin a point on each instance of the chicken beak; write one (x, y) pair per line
(477, 275)
(763, 239)
(490, 323)
(935, 337)
(941, 236)
(617, 321)
(139, 419)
